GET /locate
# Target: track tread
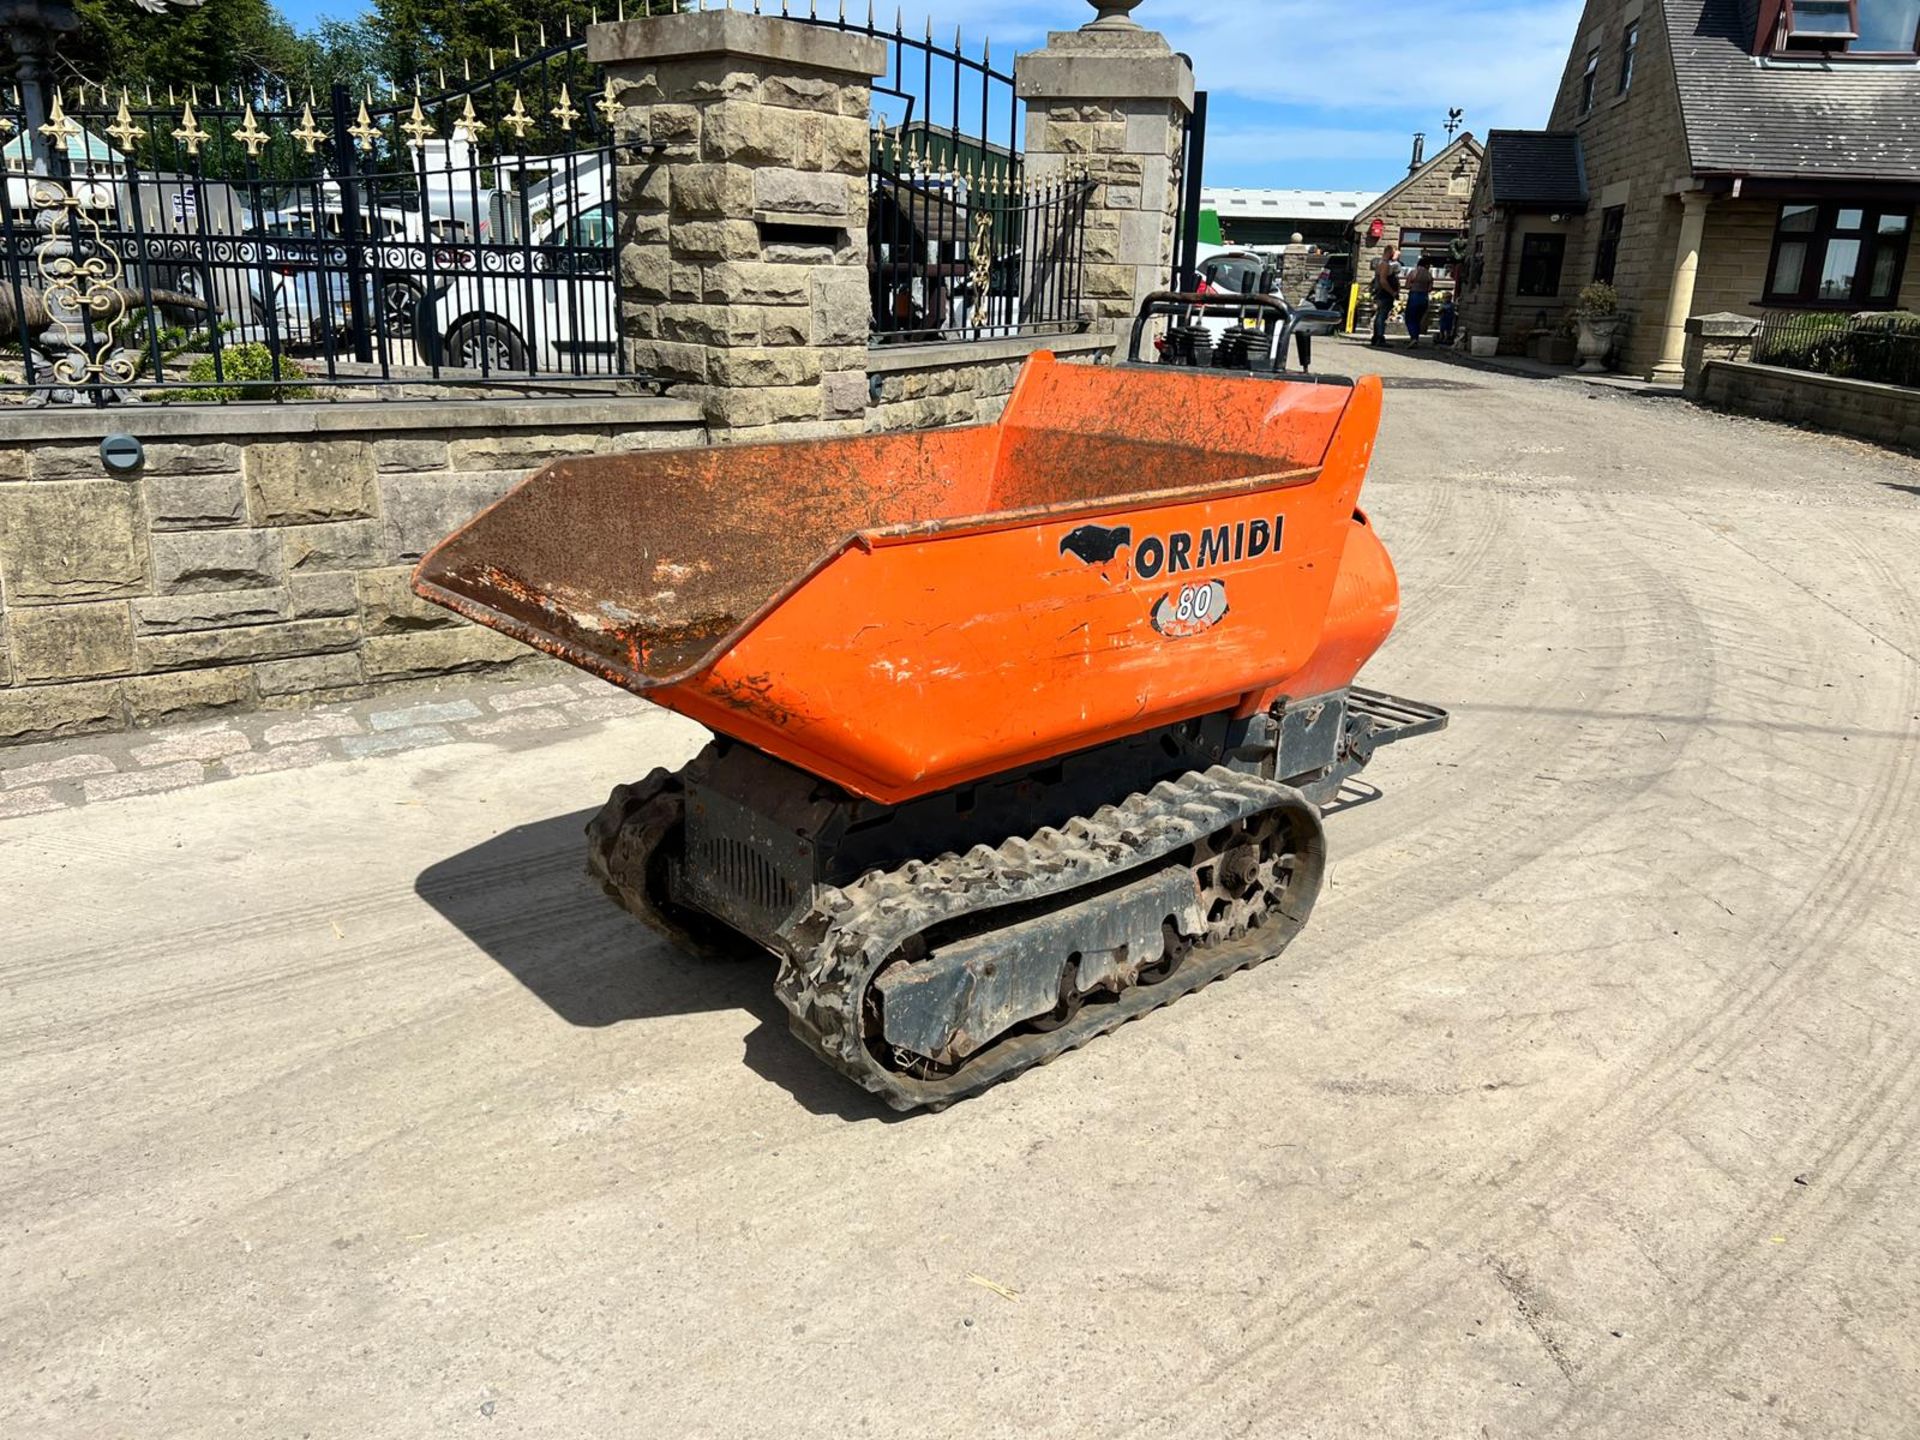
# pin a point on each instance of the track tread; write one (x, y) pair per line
(824, 985)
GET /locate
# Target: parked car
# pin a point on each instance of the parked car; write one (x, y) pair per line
(303, 283)
(547, 304)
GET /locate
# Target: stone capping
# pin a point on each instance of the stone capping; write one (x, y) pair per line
(694, 33)
(891, 359)
(1724, 326)
(47, 425)
(1131, 64)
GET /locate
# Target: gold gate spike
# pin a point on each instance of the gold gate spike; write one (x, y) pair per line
(609, 104)
(419, 129)
(189, 133)
(517, 119)
(250, 134)
(59, 129)
(309, 134)
(123, 129)
(364, 130)
(564, 111)
(470, 122)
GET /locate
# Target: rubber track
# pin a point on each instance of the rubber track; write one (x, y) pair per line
(836, 951)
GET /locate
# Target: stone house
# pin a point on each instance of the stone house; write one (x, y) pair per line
(1425, 213)
(1707, 156)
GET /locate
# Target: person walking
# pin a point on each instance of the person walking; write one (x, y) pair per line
(1419, 296)
(1386, 291)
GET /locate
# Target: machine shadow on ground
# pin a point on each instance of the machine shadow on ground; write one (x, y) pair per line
(525, 899)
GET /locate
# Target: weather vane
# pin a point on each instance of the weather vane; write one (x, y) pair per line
(1454, 118)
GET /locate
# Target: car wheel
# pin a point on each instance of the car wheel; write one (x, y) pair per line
(399, 309)
(487, 343)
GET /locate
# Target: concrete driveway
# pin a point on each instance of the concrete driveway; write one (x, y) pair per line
(339, 1103)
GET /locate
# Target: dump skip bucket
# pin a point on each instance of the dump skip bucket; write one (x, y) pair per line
(1125, 548)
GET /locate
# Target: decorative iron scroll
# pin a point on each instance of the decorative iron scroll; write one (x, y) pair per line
(81, 282)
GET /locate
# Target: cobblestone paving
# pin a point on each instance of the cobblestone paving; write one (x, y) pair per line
(35, 779)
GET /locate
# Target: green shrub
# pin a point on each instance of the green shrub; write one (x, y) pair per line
(247, 361)
(1597, 301)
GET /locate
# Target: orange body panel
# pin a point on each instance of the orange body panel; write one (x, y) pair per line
(900, 614)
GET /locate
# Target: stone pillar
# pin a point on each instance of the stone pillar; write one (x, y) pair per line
(1671, 368)
(1725, 336)
(743, 239)
(1112, 98)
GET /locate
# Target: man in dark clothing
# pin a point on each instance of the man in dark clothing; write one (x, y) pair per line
(1386, 291)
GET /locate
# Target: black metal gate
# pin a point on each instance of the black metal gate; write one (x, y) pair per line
(212, 246)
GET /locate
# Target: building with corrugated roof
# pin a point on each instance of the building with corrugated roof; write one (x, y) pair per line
(1274, 217)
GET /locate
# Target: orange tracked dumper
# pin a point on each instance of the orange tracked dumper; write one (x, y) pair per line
(1021, 729)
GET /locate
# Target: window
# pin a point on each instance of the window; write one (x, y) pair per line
(1612, 222)
(1436, 245)
(1887, 27)
(1589, 79)
(1541, 257)
(1628, 48)
(1838, 255)
(1858, 27)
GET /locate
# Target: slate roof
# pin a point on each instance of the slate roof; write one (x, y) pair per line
(1536, 170)
(1848, 120)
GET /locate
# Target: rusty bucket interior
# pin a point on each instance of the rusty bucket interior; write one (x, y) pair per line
(648, 566)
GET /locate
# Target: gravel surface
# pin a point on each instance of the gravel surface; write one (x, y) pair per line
(340, 1103)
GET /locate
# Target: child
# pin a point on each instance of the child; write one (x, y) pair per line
(1448, 318)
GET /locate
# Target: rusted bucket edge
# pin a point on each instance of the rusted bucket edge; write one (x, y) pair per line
(953, 528)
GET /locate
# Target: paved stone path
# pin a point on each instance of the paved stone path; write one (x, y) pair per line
(35, 779)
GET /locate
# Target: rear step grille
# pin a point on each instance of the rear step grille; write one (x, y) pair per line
(1392, 717)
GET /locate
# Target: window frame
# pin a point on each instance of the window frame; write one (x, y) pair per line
(1828, 42)
(1825, 230)
(1606, 254)
(1590, 83)
(1556, 241)
(1629, 51)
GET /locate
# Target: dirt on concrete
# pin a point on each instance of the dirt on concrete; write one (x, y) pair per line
(340, 1103)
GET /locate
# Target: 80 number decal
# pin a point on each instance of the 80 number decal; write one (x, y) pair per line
(1190, 609)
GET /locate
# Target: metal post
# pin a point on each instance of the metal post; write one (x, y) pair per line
(351, 226)
(1190, 205)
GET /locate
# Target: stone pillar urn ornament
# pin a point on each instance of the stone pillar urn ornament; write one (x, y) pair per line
(1114, 15)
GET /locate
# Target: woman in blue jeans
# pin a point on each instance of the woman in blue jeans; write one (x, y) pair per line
(1419, 296)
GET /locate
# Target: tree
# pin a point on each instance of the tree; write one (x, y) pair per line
(241, 43)
(420, 37)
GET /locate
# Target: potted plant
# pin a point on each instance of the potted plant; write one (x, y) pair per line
(1597, 314)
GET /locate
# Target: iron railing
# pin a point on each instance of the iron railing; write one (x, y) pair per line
(963, 241)
(245, 246)
(1882, 348)
(239, 246)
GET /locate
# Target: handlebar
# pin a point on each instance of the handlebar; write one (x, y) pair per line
(1170, 302)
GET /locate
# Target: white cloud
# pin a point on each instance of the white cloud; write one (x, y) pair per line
(1500, 59)
(1240, 145)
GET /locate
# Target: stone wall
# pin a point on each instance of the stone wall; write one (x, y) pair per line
(743, 237)
(262, 554)
(920, 386)
(1884, 414)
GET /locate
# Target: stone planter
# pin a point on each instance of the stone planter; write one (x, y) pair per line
(1484, 347)
(1597, 336)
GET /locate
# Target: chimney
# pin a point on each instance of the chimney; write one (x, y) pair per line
(1419, 151)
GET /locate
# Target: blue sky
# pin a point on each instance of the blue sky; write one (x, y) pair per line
(1319, 94)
